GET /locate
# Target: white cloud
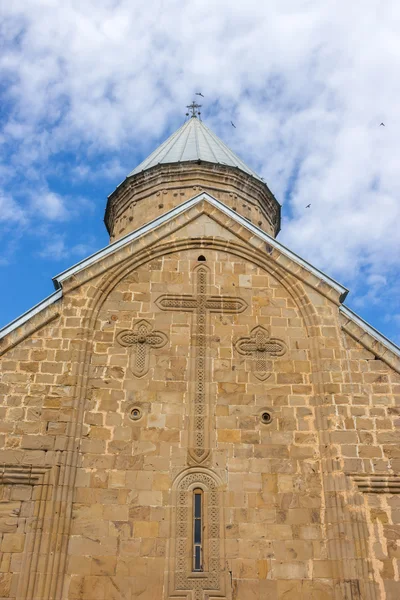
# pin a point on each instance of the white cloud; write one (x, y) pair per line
(306, 82)
(10, 211)
(50, 205)
(56, 248)
(108, 169)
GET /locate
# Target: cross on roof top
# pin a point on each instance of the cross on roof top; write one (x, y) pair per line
(193, 107)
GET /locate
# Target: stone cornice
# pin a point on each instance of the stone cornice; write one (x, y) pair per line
(211, 177)
(25, 474)
(377, 483)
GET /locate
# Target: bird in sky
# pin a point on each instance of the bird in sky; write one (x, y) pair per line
(233, 125)
(382, 125)
(308, 205)
(199, 94)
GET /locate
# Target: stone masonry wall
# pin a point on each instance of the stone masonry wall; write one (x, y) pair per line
(151, 194)
(304, 506)
(264, 468)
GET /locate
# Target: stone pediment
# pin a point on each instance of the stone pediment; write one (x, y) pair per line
(198, 222)
(201, 217)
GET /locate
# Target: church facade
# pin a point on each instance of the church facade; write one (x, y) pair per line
(194, 414)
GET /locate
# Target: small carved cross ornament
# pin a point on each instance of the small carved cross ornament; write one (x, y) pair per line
(261, 347)
(141, 339)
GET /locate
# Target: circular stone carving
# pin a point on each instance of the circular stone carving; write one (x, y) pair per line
(135, 413)
(266, 417)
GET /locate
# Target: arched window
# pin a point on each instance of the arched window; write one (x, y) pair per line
(198, 527)
(197, 551)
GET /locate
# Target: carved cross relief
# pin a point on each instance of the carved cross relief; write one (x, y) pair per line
(140, 340)
(260, 347)
(201, 305)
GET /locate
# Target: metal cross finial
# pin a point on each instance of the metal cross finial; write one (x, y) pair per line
(193, 107)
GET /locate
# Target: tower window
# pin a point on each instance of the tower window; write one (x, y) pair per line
(197, 530)
(201, 257)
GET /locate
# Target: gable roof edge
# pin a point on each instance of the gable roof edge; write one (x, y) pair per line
(111, 248)
(58, 279)
(353, 326)
(26, 316)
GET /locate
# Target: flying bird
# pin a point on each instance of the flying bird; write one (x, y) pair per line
(308, 205)
(233, 125)
(382, 125)
(199, 94)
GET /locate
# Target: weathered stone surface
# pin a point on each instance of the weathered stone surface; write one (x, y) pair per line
(99, 455)
(151, 194)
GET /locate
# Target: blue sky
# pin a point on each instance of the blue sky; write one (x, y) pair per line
(87, 90)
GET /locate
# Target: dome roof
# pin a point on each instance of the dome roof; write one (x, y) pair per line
(192, 142)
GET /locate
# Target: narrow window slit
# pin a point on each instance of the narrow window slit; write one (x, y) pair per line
(197, 530)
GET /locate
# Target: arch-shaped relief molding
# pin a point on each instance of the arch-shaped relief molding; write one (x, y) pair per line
(342, 570)
(293, 286)
(114, 274)
(53, 580)
(182, 580)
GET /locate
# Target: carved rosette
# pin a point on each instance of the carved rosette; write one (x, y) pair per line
(260, 347)
(141, 339)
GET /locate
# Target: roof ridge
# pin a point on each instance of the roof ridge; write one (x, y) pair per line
(196, 137)
(153, 155)
(210, 147)
(186, 142)
(228, 151)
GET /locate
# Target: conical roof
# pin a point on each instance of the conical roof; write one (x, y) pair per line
(192, 142)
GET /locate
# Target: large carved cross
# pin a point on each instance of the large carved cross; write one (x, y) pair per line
(201, 305)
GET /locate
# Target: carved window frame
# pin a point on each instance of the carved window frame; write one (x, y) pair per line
(183, 579)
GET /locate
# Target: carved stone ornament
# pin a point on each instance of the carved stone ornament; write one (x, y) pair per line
(44, 480)
(200, 304)
(184, 582)
(260, 346)
(141, 339)
(21, 474)
(377, 483)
